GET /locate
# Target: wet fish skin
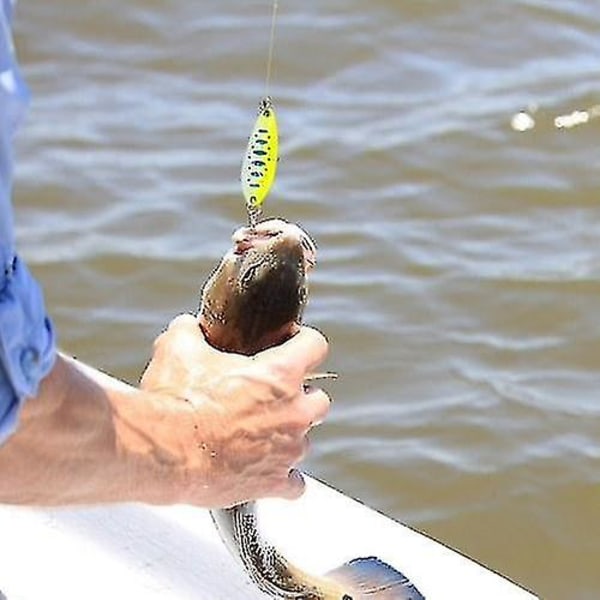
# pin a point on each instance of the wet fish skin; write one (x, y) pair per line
(254, 300)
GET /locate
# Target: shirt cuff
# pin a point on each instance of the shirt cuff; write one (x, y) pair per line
(27, 343)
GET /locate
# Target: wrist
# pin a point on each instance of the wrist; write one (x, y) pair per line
(169, 445)
(64, 443)
(142, 456)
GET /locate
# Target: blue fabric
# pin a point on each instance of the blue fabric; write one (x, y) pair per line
(27, 345)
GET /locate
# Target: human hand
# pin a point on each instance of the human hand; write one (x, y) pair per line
(233, 425)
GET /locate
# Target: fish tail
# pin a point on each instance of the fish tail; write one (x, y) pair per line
(371, 578)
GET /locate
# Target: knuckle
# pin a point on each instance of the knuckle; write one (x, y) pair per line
(235, 384)
(318, 340)
(279, 373)
(279, 380)
(245, 383)
(182, 320)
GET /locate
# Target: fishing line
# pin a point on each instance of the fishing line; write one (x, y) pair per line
(259, 165)
(271, 47)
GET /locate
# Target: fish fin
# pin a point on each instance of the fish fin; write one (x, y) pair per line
(371, 578)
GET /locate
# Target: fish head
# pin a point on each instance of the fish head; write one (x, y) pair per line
(256, 296)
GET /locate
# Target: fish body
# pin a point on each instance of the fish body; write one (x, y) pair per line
(254, 300)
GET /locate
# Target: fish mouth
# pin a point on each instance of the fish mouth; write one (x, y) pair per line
(271, 234)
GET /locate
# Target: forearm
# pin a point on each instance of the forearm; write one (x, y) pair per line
(64, 449)
(78, 443)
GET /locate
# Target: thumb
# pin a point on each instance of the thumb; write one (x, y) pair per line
(300, 354)
(185, 331)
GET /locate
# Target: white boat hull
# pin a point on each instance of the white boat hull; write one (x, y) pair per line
(149, 553)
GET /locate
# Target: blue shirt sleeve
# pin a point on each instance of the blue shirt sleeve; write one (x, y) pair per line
(27, 343)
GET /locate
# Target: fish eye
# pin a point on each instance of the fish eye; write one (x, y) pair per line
(249, 275)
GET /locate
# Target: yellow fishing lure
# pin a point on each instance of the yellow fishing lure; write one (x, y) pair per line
(259, 166)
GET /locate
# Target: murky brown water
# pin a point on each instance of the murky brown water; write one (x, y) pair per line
(460, 260)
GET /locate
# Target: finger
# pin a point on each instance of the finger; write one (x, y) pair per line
(299, 355)
(316, 403)
(185, 331)
(294, 486)
(183, 321)
(298, 451)
(304, 450)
